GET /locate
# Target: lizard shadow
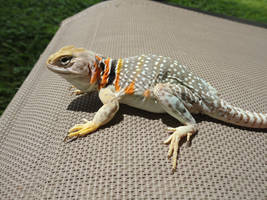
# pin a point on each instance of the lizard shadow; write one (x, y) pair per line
(91, 103)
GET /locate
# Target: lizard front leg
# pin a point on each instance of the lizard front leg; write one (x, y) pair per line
(174, 106)
(103, 115)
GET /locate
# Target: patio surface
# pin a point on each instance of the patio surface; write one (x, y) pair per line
(126, 159)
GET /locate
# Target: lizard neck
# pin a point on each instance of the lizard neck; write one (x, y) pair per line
(104, 72)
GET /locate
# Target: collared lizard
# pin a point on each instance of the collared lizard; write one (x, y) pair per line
(153, 83)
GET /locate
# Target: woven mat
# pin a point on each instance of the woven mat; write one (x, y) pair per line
(126, 159)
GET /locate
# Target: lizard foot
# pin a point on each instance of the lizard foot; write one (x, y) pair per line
(174, 140)
(81, 129)
(76, 91)
(71, 87)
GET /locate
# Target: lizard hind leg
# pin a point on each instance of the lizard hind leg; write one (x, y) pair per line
(174, 106)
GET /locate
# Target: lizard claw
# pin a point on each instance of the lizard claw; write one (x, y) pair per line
(81, 130)
(174, 140)
(68, 139)
(76, 92)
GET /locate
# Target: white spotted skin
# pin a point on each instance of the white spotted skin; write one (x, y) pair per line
(147, 75)
(197, 95)
(157, 69)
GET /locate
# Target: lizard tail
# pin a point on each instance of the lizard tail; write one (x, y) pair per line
(228, 113)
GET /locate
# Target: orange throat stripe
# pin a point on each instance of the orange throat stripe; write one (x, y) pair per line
(98, 58)
(119, 65)
(106, 74)
(95, 73)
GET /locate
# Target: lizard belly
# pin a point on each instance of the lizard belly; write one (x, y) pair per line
(148, 104)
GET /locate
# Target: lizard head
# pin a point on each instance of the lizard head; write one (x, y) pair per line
(73, 64)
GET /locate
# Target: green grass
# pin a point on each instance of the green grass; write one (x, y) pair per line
(251, 10)
(28, 25)
(26, 28)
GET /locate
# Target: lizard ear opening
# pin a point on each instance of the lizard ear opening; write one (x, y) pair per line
(89, 71)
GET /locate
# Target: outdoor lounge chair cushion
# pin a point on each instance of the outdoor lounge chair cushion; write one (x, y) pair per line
(127, 159)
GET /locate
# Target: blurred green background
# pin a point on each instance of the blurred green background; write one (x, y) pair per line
(27, 26)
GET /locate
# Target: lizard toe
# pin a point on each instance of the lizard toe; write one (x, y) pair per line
(174, 139)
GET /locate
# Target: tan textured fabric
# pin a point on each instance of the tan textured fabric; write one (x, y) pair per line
(126, 159)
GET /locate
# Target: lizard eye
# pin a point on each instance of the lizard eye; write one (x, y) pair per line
(65, 60)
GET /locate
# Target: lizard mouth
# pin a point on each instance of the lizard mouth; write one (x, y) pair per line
(60, 70)
(57, 69)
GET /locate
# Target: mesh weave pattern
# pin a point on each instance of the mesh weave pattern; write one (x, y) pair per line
(126, 159)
